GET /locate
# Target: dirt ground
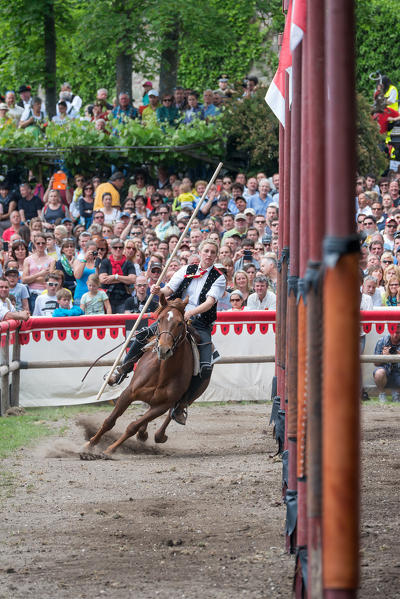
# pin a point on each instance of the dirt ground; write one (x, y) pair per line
(198, 517)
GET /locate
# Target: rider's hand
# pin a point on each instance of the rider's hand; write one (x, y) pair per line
(189, 314)
(155, 289)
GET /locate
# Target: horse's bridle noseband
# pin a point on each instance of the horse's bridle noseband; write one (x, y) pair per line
(175, 340)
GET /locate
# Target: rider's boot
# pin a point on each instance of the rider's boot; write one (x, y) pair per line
(179, 411)
(122, 371)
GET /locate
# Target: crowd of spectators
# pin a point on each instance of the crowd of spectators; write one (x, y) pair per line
(89, 246)
(24, 110)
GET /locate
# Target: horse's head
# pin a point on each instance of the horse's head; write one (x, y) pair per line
(171, 326)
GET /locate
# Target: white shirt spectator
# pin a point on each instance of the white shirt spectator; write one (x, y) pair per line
(45, 305)
(268, 303)
(5, 306)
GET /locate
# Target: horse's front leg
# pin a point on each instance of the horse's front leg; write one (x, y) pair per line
(142, 433)
(123, 402)
(134, 427)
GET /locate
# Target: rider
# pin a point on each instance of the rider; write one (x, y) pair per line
(204, 285)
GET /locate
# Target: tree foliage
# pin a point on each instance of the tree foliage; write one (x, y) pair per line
(377, 42)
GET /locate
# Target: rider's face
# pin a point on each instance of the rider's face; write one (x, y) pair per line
(208, 255)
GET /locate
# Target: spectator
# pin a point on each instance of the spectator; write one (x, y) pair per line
(369, 288)
(139, 185)
(86, 203)
(116, 273)
(388, 375)
(64, 305)
(236, 300)
(113, 186)
(5, 120)
(7, 205)
(15, 227)
(7, 310)
(95, 301)
(269, 268)
(240, 228)
(62, 117)
(111, 215)
(167, 112)
(135, 303)
(147, 86)
(195, 111)
(14, 111)
(53, 212)
(84, 266)
(241, 282)
(149, 114)
(33, 116)
(46, 303)
(29, 205)
(261, 203)
(66, 264)
(245, 254)
(19, 251)
(262, 299)
(17, 290)
(251, 192)
(74, 101)
(36, 268)
(209, 109)
(102, 96)
(180, 100)
(390, 297)
(124, 111)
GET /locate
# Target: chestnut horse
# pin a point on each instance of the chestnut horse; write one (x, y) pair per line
(161, 377)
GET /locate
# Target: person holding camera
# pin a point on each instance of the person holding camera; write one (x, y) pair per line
(388, 375)
(84, 266)
(117, 273)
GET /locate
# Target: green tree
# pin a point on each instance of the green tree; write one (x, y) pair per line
(377, 42)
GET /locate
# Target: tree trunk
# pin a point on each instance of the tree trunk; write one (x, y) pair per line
(50, 58)
(169, 61)
(124, 73)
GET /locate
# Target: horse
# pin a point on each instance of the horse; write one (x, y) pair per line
(162, 377)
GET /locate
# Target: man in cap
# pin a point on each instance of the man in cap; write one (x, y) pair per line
(239, 229)
(4, 118)
(149, 114)
(223, 86)
(116, 273)
(25, 92)
(113, 186)
(147, 86)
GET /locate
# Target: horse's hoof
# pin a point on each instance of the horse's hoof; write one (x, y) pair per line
(87, 446)
(108, 451)
(143, 436)
(160, 438)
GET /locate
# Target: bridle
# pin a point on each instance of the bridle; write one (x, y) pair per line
(176, 340)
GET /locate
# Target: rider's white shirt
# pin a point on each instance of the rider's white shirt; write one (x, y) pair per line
(196, 285)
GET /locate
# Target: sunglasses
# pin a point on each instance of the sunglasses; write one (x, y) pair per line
(118, 247)
(235, 300)
(40, 242)
(52, 284)
(387, 261)
(163, 213)
(167, 100)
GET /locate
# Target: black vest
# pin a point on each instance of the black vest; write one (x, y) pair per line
(211, 315)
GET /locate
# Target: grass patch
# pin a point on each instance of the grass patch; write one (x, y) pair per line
(36, 423)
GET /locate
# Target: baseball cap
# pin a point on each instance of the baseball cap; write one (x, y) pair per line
(182, 216)
(250, 211)
(240, 216)
(117, 175)
(266, 239)
(3, 106)
(147, 84)
(11, 271)
(155, 266)
(153, 92)
(66, 220)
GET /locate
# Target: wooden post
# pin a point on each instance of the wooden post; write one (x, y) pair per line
(16, 374)
(5, 390)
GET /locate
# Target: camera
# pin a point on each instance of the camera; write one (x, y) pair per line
(95, 253)
(392, 349)
(247, 255)
(5, 246)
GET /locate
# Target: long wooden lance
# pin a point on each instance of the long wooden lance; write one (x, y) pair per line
(160, 278)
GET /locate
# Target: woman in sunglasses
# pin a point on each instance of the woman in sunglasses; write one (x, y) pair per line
(236, 300)
(36, 268)
(86, 203)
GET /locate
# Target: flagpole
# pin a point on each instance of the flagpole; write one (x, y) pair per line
(160, 278)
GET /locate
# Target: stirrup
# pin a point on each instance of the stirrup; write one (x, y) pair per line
(117, 377)
(179, 414)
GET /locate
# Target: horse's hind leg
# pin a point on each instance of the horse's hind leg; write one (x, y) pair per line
(123, 402)
(134, 427)
(160, 436)
(142, 433)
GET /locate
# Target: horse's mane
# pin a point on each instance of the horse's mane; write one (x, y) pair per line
(175, 303)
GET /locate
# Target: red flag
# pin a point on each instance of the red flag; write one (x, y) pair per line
(298, 25)
(275, 96)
